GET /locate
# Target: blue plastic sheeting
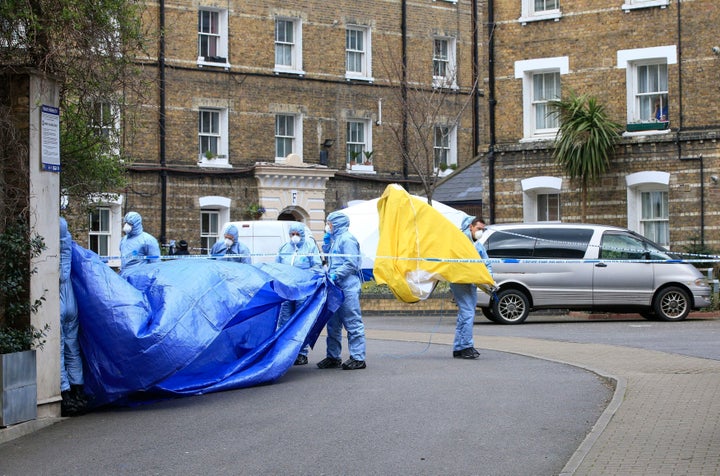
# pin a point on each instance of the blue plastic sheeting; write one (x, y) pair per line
(191, 326)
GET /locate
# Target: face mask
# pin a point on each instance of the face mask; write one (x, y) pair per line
(328, 229)
(127, 228)
(478, 234)
(228, 242)
(295, 239)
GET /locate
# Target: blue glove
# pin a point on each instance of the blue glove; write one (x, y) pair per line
(326, 238)
(333, 277)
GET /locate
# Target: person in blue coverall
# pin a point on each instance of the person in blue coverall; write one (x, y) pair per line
(137, 246)
(304, 254)
(343, 255)
(466, 296)
(230, 245)
(73, 401)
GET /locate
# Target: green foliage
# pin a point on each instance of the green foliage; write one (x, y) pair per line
(18, 340)
(696, 250)
(89, 47)
(18, 247)
(585, 140)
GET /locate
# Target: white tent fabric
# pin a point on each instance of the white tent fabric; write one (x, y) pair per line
(364, 223)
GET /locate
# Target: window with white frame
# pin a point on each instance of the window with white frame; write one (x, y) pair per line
(633, 4)
(358, 58)
(541, 199)
(444, 68)
(545, 88)
(541, 84)
(651, 92)
(534, 10)
(99, 231)
(647, 205)
(209, 228)
(103, 119)
(647, 84)
(444, 147)
(654, 219)
(548, 207)
(212, 137)
(212, 36)
(287, 133)
(358, 141)
(288, 45)
(105, 226)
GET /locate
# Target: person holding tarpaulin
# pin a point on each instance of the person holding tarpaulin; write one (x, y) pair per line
(343, 255)
(302, 253)
(466, 295)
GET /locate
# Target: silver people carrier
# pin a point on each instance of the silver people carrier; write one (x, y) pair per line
(586, 267)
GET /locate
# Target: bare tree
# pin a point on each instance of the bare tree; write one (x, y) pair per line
(431, 114)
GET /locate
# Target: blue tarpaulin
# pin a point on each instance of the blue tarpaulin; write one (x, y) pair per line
(191, 326)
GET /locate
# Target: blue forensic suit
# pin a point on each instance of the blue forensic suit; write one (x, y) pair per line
(237, 247)
(137, 245)
(71, 370)
(466, 297)
(344, 270)
(304, 255)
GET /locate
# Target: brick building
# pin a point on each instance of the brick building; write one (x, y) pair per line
(296, 107)
(630, 55)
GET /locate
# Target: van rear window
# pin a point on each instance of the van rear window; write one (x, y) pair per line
(517, 243)
(541, 243)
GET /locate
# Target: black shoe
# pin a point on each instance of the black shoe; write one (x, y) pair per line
(301, 360)
(466, 353)
(329, 363)
(78, 394)
(70, 406)
(352, 364)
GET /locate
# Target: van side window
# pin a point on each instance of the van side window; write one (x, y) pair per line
(621, 246)
(562, 243)
(517, 243)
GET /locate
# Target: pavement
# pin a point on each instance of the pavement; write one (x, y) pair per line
(663, 419)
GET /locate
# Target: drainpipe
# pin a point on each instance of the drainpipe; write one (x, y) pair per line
(475, 81)
(161, 127)
(491, 109)
(403, 90)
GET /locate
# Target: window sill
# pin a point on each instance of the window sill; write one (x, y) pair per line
(366, 169)
(294, 72)
(351, 77)
(202, 62)
(646, 4)
(217, 163)
(553, 15)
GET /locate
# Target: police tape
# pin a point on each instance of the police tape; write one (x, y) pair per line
(701, 259)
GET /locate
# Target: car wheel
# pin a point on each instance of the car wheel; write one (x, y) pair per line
(488, 313)
(671, 304)
(511, 307)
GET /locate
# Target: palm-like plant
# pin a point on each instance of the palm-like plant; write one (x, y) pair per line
(585, 140)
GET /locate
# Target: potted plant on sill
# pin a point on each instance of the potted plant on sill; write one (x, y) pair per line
(18, 339)
(647, 126)
(254, 211)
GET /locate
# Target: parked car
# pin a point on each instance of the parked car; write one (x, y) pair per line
(586, 267)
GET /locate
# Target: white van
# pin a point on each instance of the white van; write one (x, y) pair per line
(265, 237)
(586, 267)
